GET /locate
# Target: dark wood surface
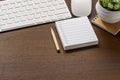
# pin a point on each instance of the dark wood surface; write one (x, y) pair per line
(30, 54)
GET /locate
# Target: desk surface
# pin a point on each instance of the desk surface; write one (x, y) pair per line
(30, 54)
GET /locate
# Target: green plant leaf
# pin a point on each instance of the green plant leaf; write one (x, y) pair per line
(113, 5)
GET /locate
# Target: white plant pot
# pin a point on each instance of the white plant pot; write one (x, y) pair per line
(107, 15)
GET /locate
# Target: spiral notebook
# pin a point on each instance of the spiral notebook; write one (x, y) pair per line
(112, 28)
(76, 33)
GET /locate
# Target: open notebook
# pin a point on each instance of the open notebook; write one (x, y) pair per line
(76, 33)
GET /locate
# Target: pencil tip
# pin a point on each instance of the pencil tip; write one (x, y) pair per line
(58, 51)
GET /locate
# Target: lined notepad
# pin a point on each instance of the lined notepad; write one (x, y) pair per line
(76, 33)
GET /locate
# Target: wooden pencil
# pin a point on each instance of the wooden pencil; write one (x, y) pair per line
(55, 40)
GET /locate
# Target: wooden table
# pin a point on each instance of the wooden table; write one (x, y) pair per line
(30, 54)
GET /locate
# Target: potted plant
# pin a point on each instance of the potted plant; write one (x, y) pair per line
(108, 10)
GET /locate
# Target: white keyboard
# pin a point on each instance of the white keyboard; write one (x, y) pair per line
(23, 13)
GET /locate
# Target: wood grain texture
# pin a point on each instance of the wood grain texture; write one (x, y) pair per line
(30, 54)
